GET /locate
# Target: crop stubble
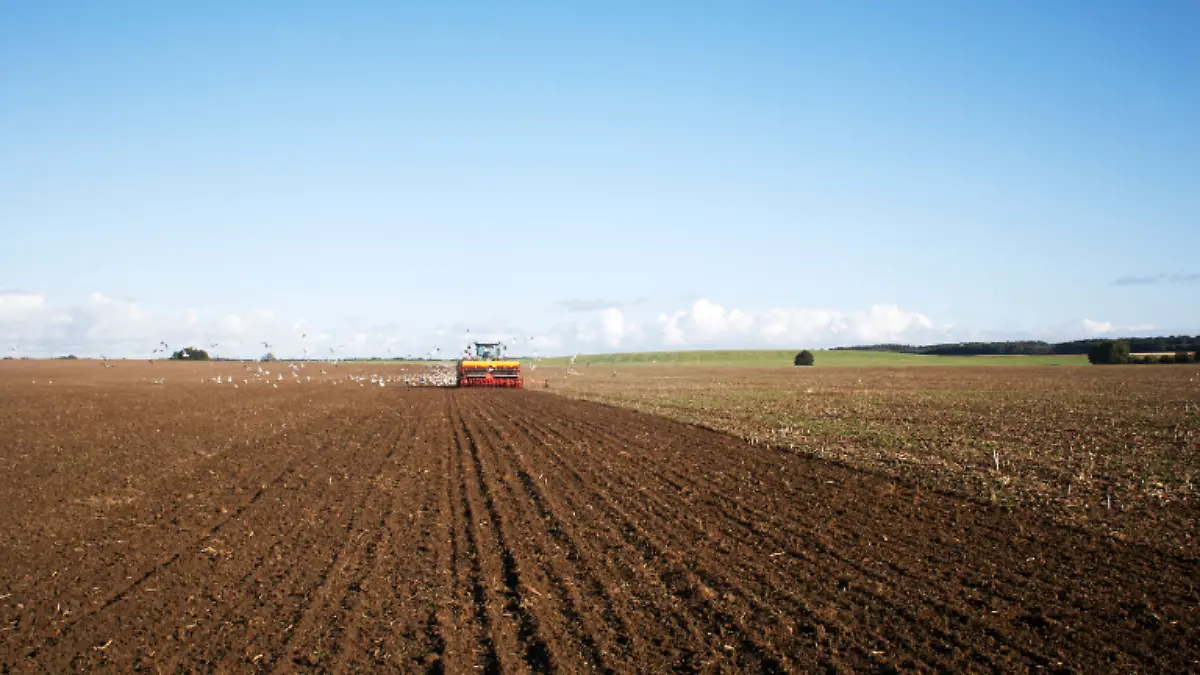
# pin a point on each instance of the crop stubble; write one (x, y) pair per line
(325, 527)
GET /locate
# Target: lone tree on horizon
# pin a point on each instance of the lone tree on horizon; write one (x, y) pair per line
(190, 354)
(1109, 352)
(804, 358)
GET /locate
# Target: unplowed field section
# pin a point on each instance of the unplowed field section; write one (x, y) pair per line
(377, 529)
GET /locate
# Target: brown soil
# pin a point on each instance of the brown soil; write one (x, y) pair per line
(311, 526)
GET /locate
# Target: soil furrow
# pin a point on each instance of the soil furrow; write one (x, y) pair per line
(532, 646)
(780, 591)
(340, 637)
(576, 582)
(191, 563)
(318, 642)
(604, 543)
(63, 629)
(567, 632)
(682, 584)
(485, 616)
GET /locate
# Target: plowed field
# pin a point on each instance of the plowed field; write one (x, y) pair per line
(187, 526)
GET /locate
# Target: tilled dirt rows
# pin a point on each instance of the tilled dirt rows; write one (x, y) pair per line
(456, 531)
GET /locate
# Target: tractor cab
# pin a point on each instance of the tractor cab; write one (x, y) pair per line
(488, 351)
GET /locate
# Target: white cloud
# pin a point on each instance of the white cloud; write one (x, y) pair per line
(672, 333)
(608, 328)
(103, 324)
(545, 342)
(706, 323)
(1097, 328)
(25, 318)
(15, 305)
(703, 323)
(231, 326)
(614, 326)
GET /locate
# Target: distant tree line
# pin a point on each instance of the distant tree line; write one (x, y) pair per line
(1118, 352)
(1177, 357)
(1157, 345)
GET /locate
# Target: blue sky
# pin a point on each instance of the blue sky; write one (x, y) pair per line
(624, 175)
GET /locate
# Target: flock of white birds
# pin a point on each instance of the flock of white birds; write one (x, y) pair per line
(436, 375)
(431, 375)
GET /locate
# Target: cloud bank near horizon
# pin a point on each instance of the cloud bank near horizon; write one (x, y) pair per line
(30, 325)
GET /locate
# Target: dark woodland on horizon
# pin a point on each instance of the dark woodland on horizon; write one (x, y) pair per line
(1137, 345)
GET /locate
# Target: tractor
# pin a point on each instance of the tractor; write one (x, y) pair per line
(485, 366)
